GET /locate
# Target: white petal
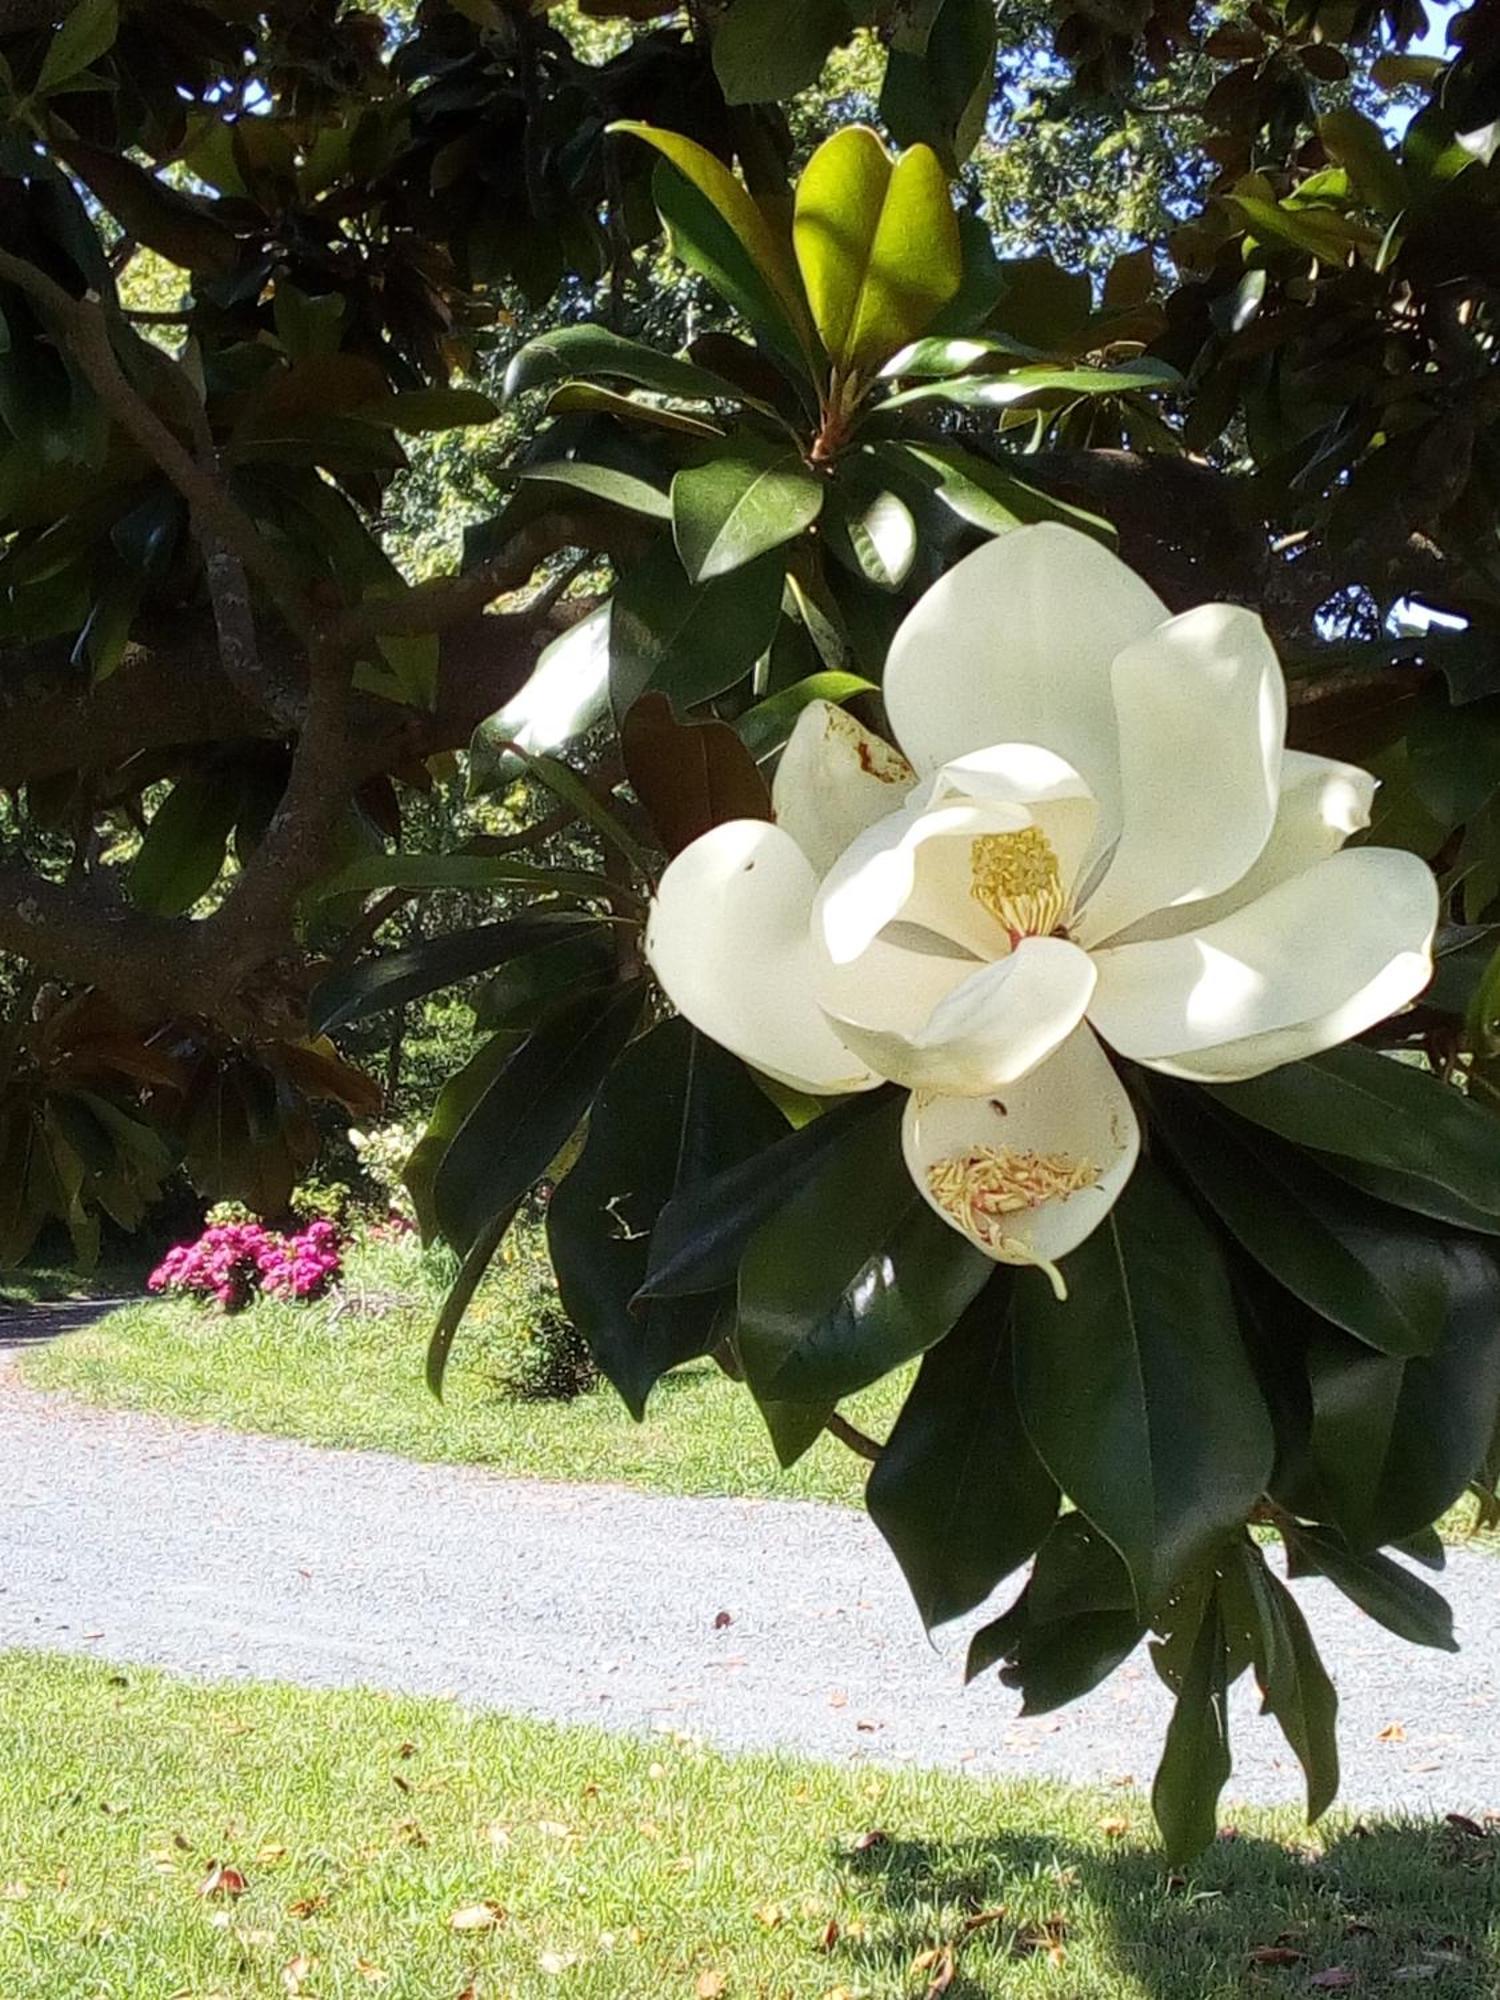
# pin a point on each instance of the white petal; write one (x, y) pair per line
(1315, 960)
(949, 1025)
(1053, 793)
(1201, 704)
(729, 939)
(915, 866)
(1072, 1107)
(835, 778)
(1014, 645)
(1321, 803)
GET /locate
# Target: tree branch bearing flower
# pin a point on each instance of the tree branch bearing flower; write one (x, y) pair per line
(1092, 839)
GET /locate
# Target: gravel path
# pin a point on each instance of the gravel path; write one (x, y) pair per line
(748, 1623)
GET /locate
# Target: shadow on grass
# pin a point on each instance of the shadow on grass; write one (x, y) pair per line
(1396, 1907)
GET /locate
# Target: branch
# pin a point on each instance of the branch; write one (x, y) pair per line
(84, 328)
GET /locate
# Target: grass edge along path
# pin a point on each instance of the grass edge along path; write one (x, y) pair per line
(160, 1837)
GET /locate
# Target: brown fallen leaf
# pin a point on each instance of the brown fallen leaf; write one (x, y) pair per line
(940, 1966)
(476, 1917)
(771, 1916)
(1276, 1954)
(721, 1619)
(14, 1892)
(830, 1935)
(982, 1919)
(710, 1985)
(222, 1881)
(1465, 1824)
(1114, 1829)
(269, 1856)
(1394, 1732)
(307, 1906)
(873, 1836)
(295, 1973)
(368, 1970)
(1336, 1979)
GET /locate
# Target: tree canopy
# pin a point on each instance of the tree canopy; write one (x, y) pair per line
(543, 412)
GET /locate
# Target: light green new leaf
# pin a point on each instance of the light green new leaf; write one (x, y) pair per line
(877, 243)
(736, 207)
(734, 508)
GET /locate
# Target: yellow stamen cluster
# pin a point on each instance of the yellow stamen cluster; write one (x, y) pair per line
(983, 1186)
(1016, 877)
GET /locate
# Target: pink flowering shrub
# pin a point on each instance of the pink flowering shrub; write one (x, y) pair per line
(231, 1261)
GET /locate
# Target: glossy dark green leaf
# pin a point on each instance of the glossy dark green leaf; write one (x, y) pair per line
(454, 1102)
(1195, 1762)
(996, 392)
(693, 641)
(1293, 1681)
(1390, 1594)
(852, 1276)
(1137, 1391)
(602, 482)
(765, 728)
(985, 495)
(1394, 1443)
(869, 528)
(183, 850)
(957, 1490)
(564, 352)
(1350, 1259)
(765, 51)
(518, 1125)
(373, 984)
(477, 1261)
(939, 93)
(1074, 1623)
(420, 410)
(674, 1111)
(1382, 1114)
(564, 696)
(704, 1232)
(738, 504)
(88, 31)
(537, 979)
(732, 255)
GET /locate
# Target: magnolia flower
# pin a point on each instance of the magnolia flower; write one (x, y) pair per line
(1092, 837)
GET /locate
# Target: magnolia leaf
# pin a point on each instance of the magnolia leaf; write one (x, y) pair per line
(673, 1112)
(765, 51)
(1383, 1117)
(870, 529)
(1391, 1595)
(1195, 1760)
(764, 268)
(183, 851)
(430, 964)
(852, 1276)
(995, 392)
(693, 641)
(940, 94)
(1137, 1391)
(704, 1232)
(602, 482)
(518, 1125)
(566, 693)
(688, 776)
(88, 31)
(957, 1490)
(739, 504)
(766, 727)
(630, 409)
(1346, 1257)
(1293, 1681)
(1358, 145)
(877, 243)
(565, 353)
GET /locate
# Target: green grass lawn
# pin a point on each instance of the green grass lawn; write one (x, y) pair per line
(407, 1850)
(356, 1379)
